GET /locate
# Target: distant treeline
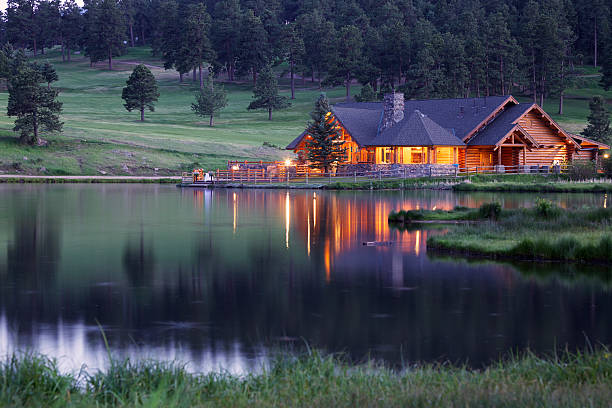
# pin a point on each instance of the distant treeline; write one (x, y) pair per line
(425, 48)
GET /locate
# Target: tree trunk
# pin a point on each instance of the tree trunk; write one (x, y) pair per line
(35, 49)
(110, 59)
(348, 88)
(533, 64)
(501, 73)
(132, 34)
(212, 121)
(594, 43)
(181, 77)
(35, 128)
(292, 65)
(254, 77)
(63, 52)
(269, 113)
(193, 79)
(200, 74)
(561, 103)
(312, 74)
(68, 54)
(142, 113)
(142, 37)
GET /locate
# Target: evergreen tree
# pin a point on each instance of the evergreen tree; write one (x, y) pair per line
(141, 91)
(104, 31)
(292, 46)
(319, 38)
(48, 72)
(35, 106)
(225, 34)
(20, 24)
(367, 94)
(347, 59)
(266, 94)
(195, 47)
(209, 100)
(71, 28)
(606, 68)
(253, 52)
(598, 127)
(323, 143)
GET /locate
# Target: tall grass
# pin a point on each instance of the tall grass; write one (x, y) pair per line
(542, 232)
(315, 380)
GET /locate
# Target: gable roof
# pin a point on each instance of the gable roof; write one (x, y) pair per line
(504, 123)
(417, 130)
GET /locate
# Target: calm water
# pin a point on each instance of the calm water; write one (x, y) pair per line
(220, 279)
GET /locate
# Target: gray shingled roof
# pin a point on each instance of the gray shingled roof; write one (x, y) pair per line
(458, 116)
(500, 127)
(445, 112)
(417, 130)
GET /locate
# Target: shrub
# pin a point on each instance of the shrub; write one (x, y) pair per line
(582, 170)
(546, 208)
(490, 210)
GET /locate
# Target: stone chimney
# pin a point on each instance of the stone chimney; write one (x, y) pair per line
(393, 105)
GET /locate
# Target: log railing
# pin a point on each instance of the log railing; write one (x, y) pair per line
(305, 175)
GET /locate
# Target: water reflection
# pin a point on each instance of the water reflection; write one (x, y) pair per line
(219, 278)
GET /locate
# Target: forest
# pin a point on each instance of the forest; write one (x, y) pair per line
(424, 48)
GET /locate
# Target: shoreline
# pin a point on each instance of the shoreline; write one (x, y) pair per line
(19, 179)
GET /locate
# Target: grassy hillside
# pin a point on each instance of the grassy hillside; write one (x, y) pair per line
(100, 136)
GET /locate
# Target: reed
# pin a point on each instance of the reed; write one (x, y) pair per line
(563, 379)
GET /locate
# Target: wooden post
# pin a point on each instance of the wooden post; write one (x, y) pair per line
(499, 157)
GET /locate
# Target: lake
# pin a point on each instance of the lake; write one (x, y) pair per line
(223, 279)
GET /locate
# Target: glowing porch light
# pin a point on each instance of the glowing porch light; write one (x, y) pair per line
(606, 156)
(287, 162)
(235, 167)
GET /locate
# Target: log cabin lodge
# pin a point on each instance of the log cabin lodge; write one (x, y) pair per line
(481, 132)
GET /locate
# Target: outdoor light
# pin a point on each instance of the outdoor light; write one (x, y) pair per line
(288, 162)
(606, 156)
(235, 167)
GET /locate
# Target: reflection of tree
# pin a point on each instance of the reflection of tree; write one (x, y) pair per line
(34, 253)
(138, 261)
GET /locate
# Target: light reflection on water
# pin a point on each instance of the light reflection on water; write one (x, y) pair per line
(220, 279)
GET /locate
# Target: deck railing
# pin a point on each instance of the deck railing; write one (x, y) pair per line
(305, 175)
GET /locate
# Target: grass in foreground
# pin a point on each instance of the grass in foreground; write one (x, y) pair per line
(544, 232)
(561, 380)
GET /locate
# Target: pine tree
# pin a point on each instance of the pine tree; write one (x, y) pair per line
(367, 94)
(35, 106)
(209, 100)
(105, 30)
(71, 27)
(195, 47)
(48, 72)
(323, 143)
(292, 50)
(141, 91)
(225, 34)
(266, 94)
(599, 121)
(606, 68)
(348, 58)
(253, 51)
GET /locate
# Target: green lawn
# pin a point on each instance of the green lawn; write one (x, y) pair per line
(101, 136)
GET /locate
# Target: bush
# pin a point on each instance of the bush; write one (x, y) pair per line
(582, 170)
(490, 210)
(546, 208)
